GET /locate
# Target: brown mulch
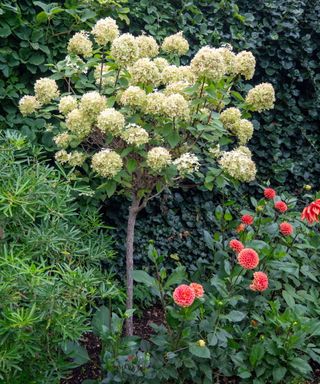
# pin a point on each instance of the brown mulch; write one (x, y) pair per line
(142, 325)
(92, 370)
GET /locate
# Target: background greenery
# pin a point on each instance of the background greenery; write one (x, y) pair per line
(283, 35)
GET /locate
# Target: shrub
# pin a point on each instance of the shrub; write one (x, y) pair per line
(51, 276)
(159, 123)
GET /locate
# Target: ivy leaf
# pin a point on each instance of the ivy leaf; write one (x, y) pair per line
(5, 30)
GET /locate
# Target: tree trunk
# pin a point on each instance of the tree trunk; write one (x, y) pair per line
(133, 211)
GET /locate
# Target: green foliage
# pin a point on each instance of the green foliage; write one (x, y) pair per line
(51, 277)
(285, 38)
(260, 337)
(34, 34)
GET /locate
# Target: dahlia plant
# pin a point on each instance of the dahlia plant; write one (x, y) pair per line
(131, 117)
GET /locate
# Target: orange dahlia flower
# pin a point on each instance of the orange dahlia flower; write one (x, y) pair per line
(198, 289)
(184, 295)
(311, 212)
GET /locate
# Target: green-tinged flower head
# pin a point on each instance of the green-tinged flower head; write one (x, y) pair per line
(238, 164)
(261, 97)
(111, 121)
(135, 135)
(144, 71)
(67, 104)
(105, 31)
(133, 96)
(208, 63)
(45, 90)
(148, 46)
(176, 106)
(158, 158)
(125, 49)
(175, 44)
(107, 163)
(187, 163)
(80, 44)
(28, 105)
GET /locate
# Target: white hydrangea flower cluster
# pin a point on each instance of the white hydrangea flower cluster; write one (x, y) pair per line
(80, 44)
(187, 163)
(238, 164)
(62, 140)
(158, 159)
(144, 71)
(173, 74)
(105, 31)
(229, 58)
(175, 44)
(92, 103)
(133, 96)
(107, 163)
(245, 64)
(148, 46)
(242, 128)
(176, 106)
(74, 159)
(78, 123)
(161, 63)
(261, 97)
(45, 90)
(67, 104)
(154, 103)
(177, 87)
(111, 121)
(230, 116)
(135, 135)
(125, 49)
(209, 63)
(28, 105)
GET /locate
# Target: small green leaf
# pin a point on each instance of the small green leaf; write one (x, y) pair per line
(256, 354)
(176, 277)
(278, 373)
(288, 299)
(198, 351)
(131, 165)
(301, 366)
(236, 316)
(143, 277)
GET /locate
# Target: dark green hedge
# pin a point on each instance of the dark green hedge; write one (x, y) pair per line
(285, 38)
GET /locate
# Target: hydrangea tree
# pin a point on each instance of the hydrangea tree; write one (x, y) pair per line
(133, 116)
